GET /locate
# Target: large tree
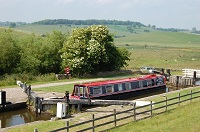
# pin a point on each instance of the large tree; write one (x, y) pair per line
(50, 54)
(40, 55)
(9, 52)
(91, 50)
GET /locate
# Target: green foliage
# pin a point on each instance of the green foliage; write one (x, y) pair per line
(9, 52)
(90, 50)
(87, 22)
(12, 25)
(41, 55)
(50, 54)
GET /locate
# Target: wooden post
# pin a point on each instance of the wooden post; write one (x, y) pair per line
(29, 95)
(35, 130)
(190, 96)
(67, 126)
(93, 122)
(179, 99)
(166, 103)
(115, 117)
(67, 100)
(40, 105)
(79, 107)
(36, 105)
(194, 78)
(134, 106)
(151, 107)
(177, 81)
(0, 124)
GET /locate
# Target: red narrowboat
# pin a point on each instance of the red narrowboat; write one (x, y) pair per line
(119, 89)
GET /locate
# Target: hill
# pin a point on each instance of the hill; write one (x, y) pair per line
(149, 47)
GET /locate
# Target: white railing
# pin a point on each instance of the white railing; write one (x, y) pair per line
(190, 73)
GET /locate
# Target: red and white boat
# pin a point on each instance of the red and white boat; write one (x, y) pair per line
(119, 89)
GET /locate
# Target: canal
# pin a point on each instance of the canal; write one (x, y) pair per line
(21, 116)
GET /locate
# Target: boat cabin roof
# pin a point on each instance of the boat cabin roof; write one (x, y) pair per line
(107, 82)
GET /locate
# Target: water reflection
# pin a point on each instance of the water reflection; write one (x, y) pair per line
(18, 117)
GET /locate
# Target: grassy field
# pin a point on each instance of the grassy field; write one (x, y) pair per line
(184, 118)
(174, 50)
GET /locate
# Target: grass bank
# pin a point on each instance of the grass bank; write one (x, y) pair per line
(183, 118)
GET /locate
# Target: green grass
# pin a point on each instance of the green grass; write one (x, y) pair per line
(184, 118)
(61, 89)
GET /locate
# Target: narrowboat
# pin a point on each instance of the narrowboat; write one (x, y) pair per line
(119, 89)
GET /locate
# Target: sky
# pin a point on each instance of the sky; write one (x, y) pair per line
(181, 14)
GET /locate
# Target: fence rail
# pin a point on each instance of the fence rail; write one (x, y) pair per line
(191, 72)
(148, 110)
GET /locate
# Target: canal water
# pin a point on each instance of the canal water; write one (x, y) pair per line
(21, 116)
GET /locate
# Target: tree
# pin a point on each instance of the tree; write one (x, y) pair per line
(50, 54)
(41, 55)
(29, 53)
(90, 50)
(12, 25)
(154, 26)
(9, 53)
(194, 29)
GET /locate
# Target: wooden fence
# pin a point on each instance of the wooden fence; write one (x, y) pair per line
(136, 113)
(183, 81)
(190, 73)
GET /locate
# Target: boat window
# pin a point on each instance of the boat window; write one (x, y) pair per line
(120, 88)
(149, 82)
(97, 90)
(79, 91)
(127, 86)
(135, 85)
(76, 91)
(140, 84)
(153, 82)
(109, 89)
(144, 83)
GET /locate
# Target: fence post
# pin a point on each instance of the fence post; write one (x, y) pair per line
(67, 126)
(177, 81)
(151, 107)
(93, 122)
(36, 105)
(190, 96)
(115, 117)
(179, 99)
(166, 103)
(194, 78)
(134, 110)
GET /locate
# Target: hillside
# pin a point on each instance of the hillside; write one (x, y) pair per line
(175, 50)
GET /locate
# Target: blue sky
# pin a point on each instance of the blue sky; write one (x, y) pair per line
(182, 14)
